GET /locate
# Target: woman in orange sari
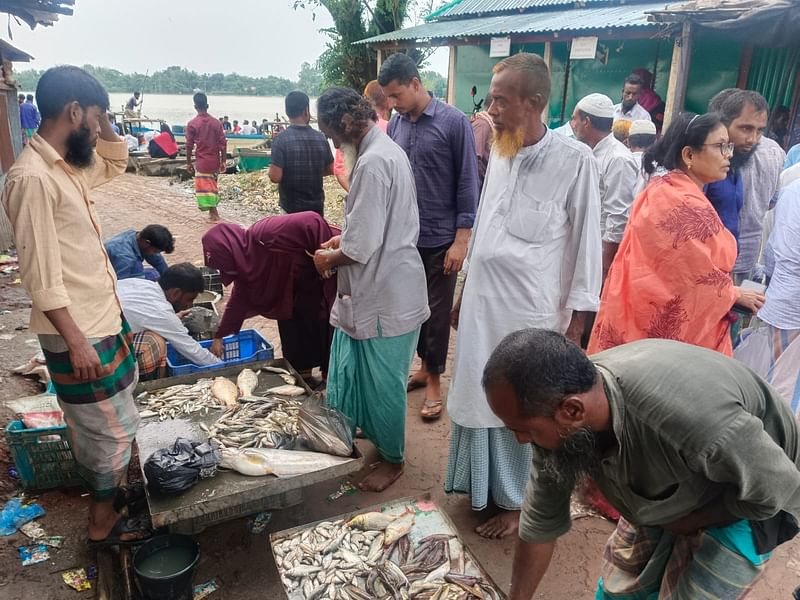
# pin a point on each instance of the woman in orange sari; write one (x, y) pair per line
(671, 277)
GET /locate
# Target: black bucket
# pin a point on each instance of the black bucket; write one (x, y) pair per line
(163, 567)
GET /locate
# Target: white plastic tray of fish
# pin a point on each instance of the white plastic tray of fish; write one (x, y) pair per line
(408, 549)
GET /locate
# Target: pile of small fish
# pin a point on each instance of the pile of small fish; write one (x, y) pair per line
(221, 392)
(175, 400)
(371, 556)
(257, 423)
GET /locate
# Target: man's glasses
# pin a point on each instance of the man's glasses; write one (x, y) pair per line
(725, 148)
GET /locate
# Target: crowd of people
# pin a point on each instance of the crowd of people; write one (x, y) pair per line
(607, 279)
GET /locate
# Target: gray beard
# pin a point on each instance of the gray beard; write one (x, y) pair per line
(575, 461)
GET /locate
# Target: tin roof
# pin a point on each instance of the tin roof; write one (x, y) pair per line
(37, 12)
(571, 19)
(468, 8)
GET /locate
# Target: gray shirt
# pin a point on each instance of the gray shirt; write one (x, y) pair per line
(760, 177)
(383, 294)
(692, 427)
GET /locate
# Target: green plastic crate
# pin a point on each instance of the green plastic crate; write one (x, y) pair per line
(42, 456)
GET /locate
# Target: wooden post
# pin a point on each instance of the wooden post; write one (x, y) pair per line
(744, 66)
(548, 59)
(678, 74)
(379, 52)
(451, 75)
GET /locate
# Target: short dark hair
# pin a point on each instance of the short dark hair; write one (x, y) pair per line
(687, 129)
(604, 124)
(641, 140)
(21, 97)
(137, 94)
(634, 79)
(715, 104)
(159, 237)
(542, 367)
(29, 97)
(183, 276)
(200, 101)
(296, 104)
(59, 86)
(733, 104)
(337, 102)
(398, 67)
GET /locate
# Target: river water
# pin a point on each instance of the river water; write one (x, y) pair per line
(176, 109)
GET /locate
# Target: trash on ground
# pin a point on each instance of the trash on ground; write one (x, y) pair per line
(77, 579)
(204, 590)
(345, 489)
(33, 530)
(32, 555)
(15, 514)
(259, 522)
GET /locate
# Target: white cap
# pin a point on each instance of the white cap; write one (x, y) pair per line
(642, 127)
(597, 105)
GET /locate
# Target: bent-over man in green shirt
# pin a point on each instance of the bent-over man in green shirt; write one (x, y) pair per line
(698, 454)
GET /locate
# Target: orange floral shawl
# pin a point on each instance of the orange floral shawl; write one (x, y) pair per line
(671, 276)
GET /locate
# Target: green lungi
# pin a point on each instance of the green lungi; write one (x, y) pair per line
(648, 563)
(101, 416)
(367, 382)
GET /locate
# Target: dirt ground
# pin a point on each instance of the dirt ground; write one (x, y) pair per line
(238, 559)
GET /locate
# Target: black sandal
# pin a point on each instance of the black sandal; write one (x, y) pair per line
(124, 526)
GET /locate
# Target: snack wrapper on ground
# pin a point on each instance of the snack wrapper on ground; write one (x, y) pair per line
(32, 555)
(77, 579)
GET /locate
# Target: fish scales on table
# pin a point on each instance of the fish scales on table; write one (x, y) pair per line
(362, 560)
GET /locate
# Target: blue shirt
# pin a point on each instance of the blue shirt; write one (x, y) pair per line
(28, 115)
(792, 157)
(727, 197)
(441, 148)
(123, 251)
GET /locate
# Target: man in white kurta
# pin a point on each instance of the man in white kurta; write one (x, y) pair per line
(534, 261)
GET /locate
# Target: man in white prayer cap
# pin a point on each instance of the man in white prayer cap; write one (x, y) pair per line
(592, 121)
(534, 261)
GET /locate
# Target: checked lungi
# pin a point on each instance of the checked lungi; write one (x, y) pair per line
(648, 563)
(206, 190)
(150, 350)
(100, 415)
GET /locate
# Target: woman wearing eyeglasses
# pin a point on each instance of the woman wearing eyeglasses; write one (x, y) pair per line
(671, 277)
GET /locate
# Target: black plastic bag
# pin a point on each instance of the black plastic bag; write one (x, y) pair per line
(176, 469)
(325, 429)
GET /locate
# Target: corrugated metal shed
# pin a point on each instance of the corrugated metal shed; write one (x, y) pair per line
(573, 19)
(466, 8)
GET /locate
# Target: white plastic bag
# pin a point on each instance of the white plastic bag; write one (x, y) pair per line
(755, 348)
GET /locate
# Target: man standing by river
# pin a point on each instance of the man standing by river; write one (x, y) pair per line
(66, 272)
(206, 137)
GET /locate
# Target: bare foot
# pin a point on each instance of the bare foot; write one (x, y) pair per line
(499, 526)
(213, 215)
(382, 476)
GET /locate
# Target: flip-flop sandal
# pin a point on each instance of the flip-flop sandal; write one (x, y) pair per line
(124, 526)
(128, 495)
(413, 384)
(431, 410)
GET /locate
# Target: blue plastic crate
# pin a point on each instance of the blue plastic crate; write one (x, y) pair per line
(42, 456)
(246, 346)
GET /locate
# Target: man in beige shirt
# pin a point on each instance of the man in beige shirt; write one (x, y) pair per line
(65, 269)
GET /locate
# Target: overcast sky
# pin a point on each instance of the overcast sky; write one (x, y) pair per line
(250, 37)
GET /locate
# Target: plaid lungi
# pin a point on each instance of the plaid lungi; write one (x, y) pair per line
(150, 350)
(100, 415)
(648, 563)
(206, 191)
(488, 461)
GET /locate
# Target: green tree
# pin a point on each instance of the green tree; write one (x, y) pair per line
(435, 83)
(309, 79)
(347, 63)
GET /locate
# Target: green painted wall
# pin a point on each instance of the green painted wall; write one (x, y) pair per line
(714, 67)
(474, 67)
